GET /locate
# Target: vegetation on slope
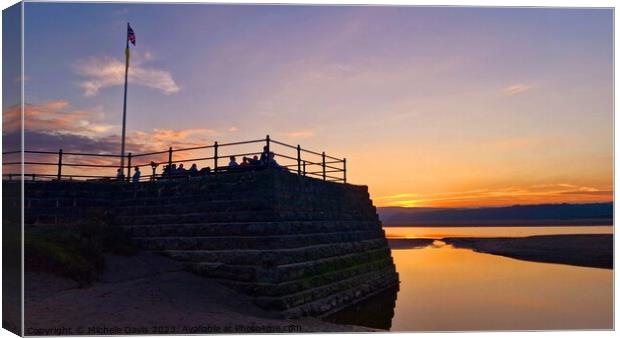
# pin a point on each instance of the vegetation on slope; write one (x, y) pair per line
(75, 251)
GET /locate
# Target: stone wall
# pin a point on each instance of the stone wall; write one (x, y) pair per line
(300, 246)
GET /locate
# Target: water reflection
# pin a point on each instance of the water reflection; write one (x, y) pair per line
(375, 312)
(438, 244)
(449, 289)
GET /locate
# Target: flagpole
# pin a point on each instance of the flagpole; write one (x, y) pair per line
(125, 101)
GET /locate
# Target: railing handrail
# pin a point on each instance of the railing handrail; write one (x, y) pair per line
(300, 162)
(165, 151)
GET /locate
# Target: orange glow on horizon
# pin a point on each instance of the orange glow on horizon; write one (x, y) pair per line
(472, 203)
(552, 194)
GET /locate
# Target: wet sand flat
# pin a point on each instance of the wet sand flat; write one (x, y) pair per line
(580, 250)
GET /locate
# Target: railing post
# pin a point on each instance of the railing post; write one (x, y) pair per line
(10, 177)
(298, 159)
(33, 175)
(344, 168)
(59, 164)
(215, 146)
(128, 166)
(268, 144)
(170, 163)
(304, 168)
(323, 155)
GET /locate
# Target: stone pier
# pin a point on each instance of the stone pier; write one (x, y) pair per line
(297, 245)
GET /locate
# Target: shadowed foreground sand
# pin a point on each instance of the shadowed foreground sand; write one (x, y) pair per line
(150, 294)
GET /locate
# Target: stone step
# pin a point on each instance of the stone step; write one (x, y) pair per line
(296, 286)
(301, 270)
(232, 206)
(354, 283)
(198, 189)
(198, 185)
(35, 203)
(287, 272)
(269, 258)
(239, 216)
(173, 196)
(198, 217)
(247, 228)
(122, 190)
(72, 214)
(63, 206)
(176, 197)
(51, 219)
(139, 199)
(69, 189)
(365, 287)
(211, 197)
(253, 242)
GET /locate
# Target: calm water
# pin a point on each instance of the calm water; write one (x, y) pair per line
(447, 289)
(444, 232)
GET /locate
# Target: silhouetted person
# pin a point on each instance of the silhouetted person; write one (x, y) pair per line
(245, 162)
(136, 175)
(205, 171)
(170, 170)
(264, 156)
(119, 174)
(271, 160)
(254, 160)
(193, 170)
(180, 170)
(233, 162)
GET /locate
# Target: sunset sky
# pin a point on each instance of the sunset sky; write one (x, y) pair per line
(430, 106)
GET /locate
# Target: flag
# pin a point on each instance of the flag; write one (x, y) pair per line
(131, 37)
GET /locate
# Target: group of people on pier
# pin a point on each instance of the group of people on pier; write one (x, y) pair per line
(267, 159)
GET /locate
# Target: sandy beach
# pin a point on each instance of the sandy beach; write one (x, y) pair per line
(150, 294)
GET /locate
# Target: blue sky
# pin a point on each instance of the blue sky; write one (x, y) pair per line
(462, 98)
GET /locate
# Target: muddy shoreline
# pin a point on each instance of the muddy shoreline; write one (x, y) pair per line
(579, 250)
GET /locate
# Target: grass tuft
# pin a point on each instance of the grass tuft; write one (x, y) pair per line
(75, 251)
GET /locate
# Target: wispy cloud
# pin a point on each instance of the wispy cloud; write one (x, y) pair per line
(301, 134)
(397, 196)
(54, 117)
(515, 89)
(180, 138)
(103, 72)
(55, 124)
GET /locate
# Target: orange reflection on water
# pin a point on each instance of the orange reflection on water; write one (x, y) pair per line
(447, 289)
(484, 231)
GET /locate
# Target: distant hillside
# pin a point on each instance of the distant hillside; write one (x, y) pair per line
(542, 214)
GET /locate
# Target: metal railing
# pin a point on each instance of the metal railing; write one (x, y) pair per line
(87, 166)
